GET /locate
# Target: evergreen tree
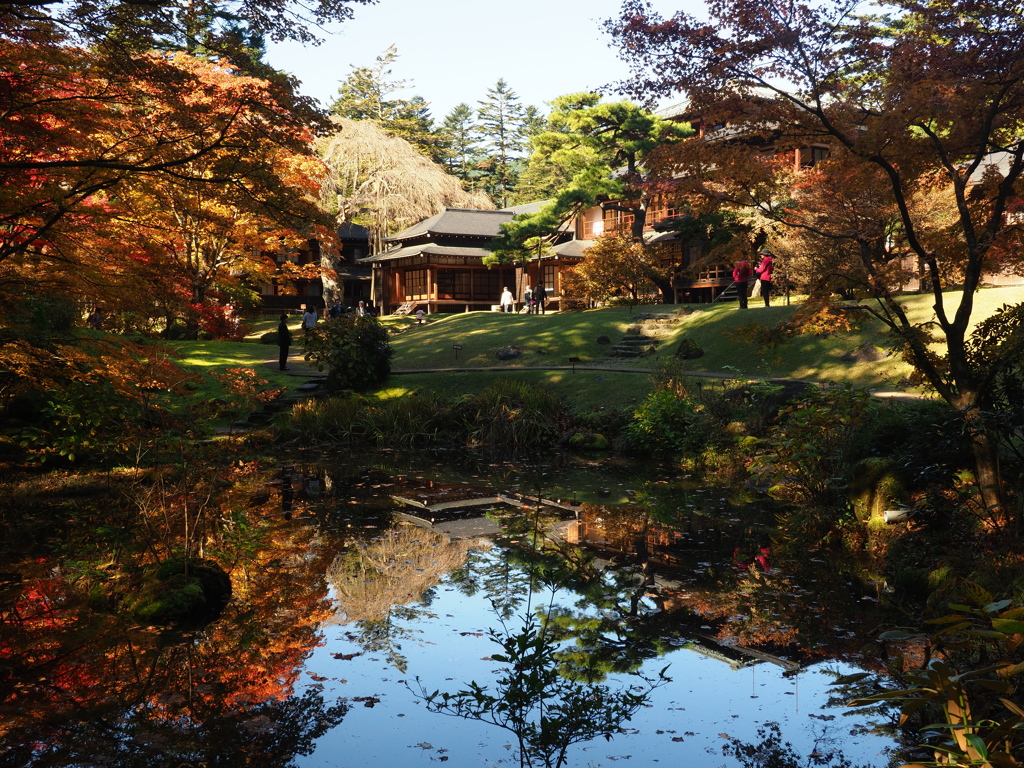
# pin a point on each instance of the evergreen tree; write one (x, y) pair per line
(368, 94)
(461, 145)
(501, 124)
(534, 122)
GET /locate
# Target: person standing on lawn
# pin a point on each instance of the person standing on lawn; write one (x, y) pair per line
(284, 340)
(740, 278)
(764, 275)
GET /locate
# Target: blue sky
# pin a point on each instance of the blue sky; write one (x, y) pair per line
(455, 50)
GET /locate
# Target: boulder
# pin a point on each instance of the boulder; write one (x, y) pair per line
(508, 353)
(865, 353)
(688, 349)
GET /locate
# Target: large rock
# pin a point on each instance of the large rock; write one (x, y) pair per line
(865, 353)
(180, 592)
(508, 353)
(688, 349)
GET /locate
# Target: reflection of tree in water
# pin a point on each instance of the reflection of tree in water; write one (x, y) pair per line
(89, 690)
(772, 752)
(547, 710)
(267, 734)
(384, 585)
(495, 574)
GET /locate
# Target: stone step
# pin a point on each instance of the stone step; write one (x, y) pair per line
(638, 341)
(626, 351)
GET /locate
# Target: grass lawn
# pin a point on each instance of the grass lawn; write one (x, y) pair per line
(545, 340)
(549, 341)
(583, 390)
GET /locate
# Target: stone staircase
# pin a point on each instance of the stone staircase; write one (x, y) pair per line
(646, 333)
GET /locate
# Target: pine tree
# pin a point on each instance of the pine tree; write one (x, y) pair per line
(367, 94)
(462, 151)
(501, 123)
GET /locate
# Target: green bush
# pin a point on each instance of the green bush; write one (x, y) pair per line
(924, 438)
(354, 350)
(807, 458)
(415, 419)
(665, 423)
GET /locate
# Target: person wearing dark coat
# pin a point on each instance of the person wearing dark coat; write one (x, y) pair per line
(284, 340)
(740, 278)
(539, 296)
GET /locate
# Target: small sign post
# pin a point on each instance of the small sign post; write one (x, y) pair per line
(574, 360)
(456, 347)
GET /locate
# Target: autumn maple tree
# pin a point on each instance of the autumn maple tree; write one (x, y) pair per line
(920, 105)
(116, 160)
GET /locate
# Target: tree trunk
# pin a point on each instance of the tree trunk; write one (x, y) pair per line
(668, 294)
(986, 464)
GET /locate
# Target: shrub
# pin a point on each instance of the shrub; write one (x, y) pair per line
(807, 459)
(512, 414)
(412, 420)
(665, 423)
(924, 438)
(354, 350)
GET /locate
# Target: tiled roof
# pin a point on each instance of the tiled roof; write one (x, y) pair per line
(572, 248)
(427, 249)
(457, 221)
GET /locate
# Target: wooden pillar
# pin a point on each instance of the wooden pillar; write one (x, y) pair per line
(431, 288)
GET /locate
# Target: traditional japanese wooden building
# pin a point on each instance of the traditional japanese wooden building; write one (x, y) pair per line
(349, 284)
(437, 265)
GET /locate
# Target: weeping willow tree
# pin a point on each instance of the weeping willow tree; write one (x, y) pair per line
(381, 181)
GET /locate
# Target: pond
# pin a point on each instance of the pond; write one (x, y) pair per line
(665, 613)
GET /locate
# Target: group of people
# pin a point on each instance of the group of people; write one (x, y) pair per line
(741, 277)
(533, 300)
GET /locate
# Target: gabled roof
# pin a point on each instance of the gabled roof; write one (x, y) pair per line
(428, 249)
(350, 231)
(468, 222)
(573, 249)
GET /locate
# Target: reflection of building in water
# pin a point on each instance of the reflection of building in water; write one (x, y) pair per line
(629, 530)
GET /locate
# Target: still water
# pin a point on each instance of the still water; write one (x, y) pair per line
(381, 579)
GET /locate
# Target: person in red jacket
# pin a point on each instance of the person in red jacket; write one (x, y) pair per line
(764, 275)
(740, 278)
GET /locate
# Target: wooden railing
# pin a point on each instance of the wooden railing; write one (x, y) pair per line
(624, 221)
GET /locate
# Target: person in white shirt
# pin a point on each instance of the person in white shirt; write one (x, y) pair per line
(506, 300)
(309, 318)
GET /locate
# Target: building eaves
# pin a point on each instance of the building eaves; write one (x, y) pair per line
(427, 249)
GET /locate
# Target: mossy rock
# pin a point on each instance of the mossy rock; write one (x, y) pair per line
(688, 349)
(171, 594)
(875, 486)
(588, 441)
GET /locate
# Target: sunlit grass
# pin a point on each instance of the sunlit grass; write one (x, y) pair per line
(550, 340)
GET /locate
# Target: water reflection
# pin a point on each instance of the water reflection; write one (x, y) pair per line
(87, 688)
(347, 573)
